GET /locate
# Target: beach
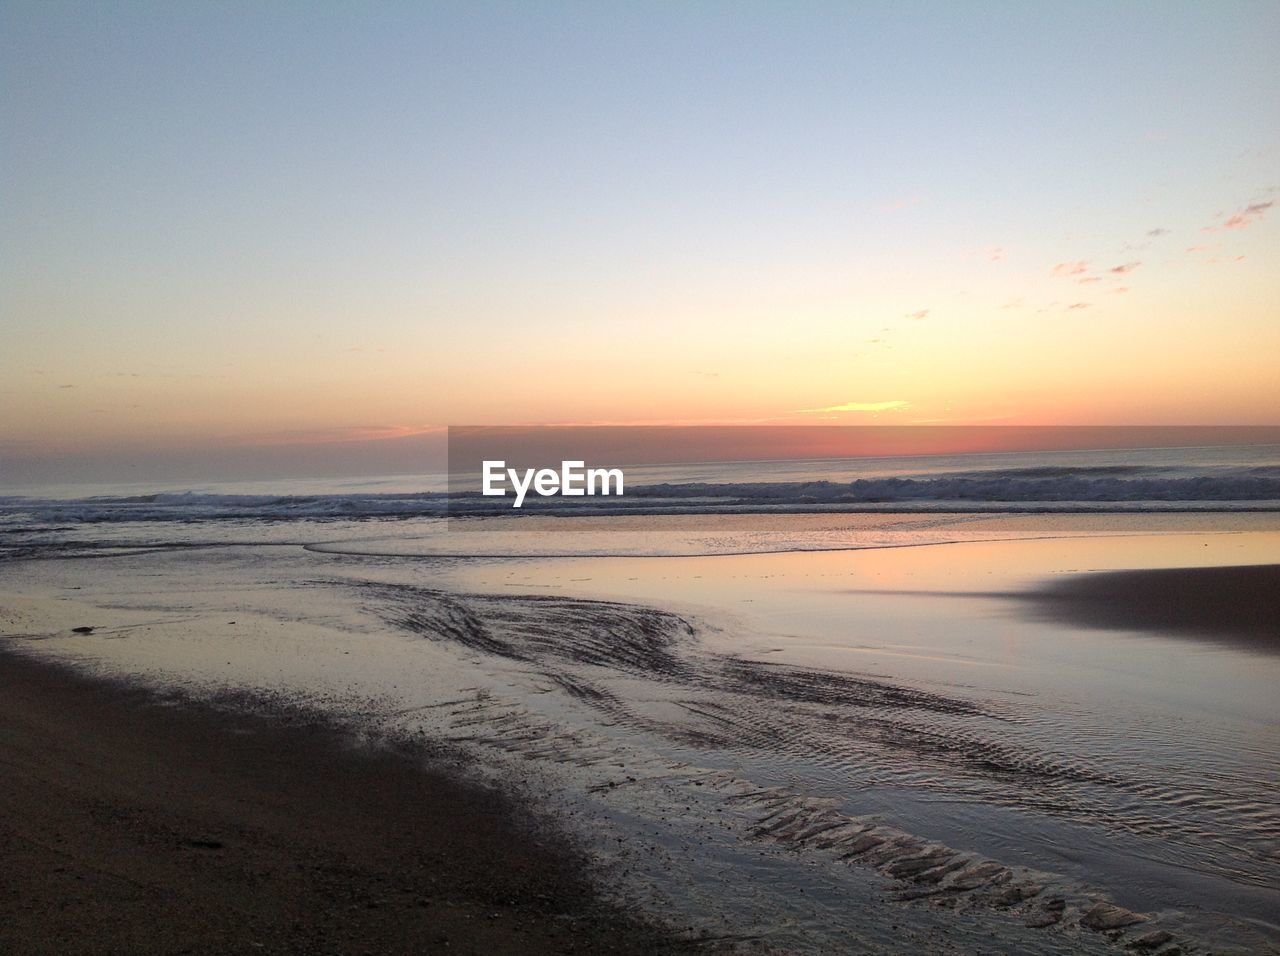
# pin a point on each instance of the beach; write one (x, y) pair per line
(1239, 604)
(891, 748)
(141, 823)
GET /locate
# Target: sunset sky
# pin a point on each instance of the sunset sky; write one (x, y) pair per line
(303, 226)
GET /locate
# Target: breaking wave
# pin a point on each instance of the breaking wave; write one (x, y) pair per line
(1041, 489)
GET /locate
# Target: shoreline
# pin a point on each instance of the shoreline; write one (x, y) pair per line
(137, 822)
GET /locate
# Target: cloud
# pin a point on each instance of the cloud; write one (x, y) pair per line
(1157, 233)
(355, 433)
(1078, 305)
(857, 407)
(650, 422)
(1248, 215)
(966, 420)
(922, 314)
(995, 254)
(1124, 269)
(1070, 268)
(1087, 279)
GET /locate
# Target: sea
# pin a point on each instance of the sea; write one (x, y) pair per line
(1207, 478)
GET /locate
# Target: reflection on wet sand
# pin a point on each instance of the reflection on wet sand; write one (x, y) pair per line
(857, 761)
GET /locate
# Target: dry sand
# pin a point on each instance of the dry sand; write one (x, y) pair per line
(132, 824)
(1237, 605)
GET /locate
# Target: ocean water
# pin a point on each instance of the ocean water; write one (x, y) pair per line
(773, 718)
(1210, 478)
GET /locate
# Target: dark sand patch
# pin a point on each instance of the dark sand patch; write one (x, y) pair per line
(1237, 605)
(131, 827)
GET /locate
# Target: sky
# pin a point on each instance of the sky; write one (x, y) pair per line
(315, 233)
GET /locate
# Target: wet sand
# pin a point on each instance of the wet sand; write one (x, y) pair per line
(1237, 605)
(132, 823)
(745, 745)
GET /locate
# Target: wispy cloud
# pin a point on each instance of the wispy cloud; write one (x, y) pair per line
(855, 407)
(356, 433)
(1248, 215)
(922, 314)
(966, 420)
(1070, 268)
(1078, 305)
(1124, 269)
(650, 422)
(1157, 233)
